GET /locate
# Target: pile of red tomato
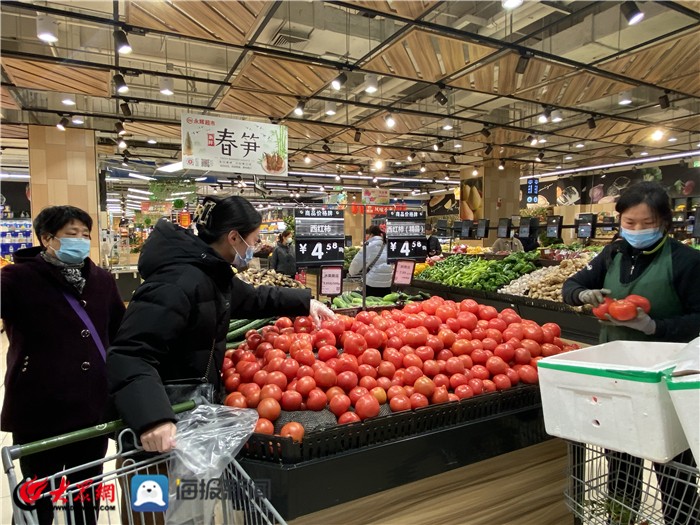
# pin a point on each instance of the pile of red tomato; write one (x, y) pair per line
(431, 352)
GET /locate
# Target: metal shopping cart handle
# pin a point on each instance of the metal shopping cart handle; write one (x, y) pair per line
(9, 454)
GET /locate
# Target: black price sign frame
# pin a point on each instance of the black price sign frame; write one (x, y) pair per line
(405, 235)
(468, 229)
(456, 229)
(319, 237)
(554, 226)
(608, 224)
(505, 226)
(586, 225)
(482, 228)
(528, 227)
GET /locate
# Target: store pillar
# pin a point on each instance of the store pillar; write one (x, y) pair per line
(63, 168)
(501, 195)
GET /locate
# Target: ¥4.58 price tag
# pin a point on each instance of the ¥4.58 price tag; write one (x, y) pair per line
(407, 248)
(312, 252)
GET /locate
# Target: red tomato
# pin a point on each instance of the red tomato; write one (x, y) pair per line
(639, 302)
(464, 391)
(289, 367)
(444, 355)
(325, 377)
(454, 365)
(478, 333)
(418, 400)
(479, 357)
(336, 326)
(305, 357)
(601, 310)
(347, 363)
(368, 382)
(247, 370)
(317, 400)
(489, 343)
(496, 365)
(356, 393)
(412, 360)
(232, 382)
(441, 380)
(339, 404)
(293, 430)
(334, 391)
(489, 386)
(431, 368)
(393, 356)
(467, 320)
(347, 380)
(327, 352)
(272, 354)
(425, 353)
(462, 347)
(272, 390)
(622, 310)
(395, 390)
(236, 400)
(477, 385)
(480, 372)
(253, 340)
(366, 370)
(367, 406)
(305, 385)
(324, 337)
(413, 321)
(432, 323)
(505, 351)
(469, 305)
(430, 306)
(260, 377)
(305, 371)
(528, 374)
(522, 356)
(284, 322)
(379, 393)
(394, 342)
(399, 403)
(253, 399)
(354, 344)
(553, 327)
(386, 369)
(348, 417)
(501, 381)
(468, 363)
(532, 346)
(513, 376)
(497, 324)
(534, 332)
(263, 348)
(411, 374)
(550, 349)
(283, 342)
(413, 308)
(374, 338)
(291, 400)
(487, 312)
(303, 324)
(435, 343)
(414, 338)
(454, 324)
(439, 396)
(424, 385)
(371, 357)
(381, 323)
(269, 408)
(448, 337)
(264, 426)
(384, 382)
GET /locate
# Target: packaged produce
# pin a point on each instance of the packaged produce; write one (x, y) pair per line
(268, 278)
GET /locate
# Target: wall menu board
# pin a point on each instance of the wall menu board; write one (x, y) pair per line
(532, 190)
(504, 227)
(405, 235)
(482, 228)
(554, 223)
(320, 237)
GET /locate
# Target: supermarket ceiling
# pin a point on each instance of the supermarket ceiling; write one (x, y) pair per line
(491, 75)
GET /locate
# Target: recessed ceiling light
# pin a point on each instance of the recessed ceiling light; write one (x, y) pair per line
(672, 139)
(625, 98)
(78, 119)
(657, 135)
(68, 100)
(152, 141)
(580, 145)
(643, 153)
(568, 157)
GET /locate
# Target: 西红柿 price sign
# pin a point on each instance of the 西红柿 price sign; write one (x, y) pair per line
(319, 237)
(405, 235)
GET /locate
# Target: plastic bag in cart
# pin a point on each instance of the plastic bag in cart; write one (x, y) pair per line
(688, 360)
(207, 440)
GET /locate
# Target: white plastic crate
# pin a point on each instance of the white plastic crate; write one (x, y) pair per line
(685, 394)
(614, 395)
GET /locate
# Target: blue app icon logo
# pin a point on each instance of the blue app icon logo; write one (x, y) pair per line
(149, 493)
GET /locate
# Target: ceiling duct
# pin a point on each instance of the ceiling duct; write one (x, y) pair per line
(290, 38)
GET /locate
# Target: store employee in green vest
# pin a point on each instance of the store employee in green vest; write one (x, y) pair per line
(646, 262)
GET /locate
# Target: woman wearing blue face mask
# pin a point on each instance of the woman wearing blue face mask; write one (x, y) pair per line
(646, 261)
(60, 312)
(176, 323)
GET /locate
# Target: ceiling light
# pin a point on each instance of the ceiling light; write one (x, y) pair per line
(121, 42)
(568, 157)
(628, 152)
(511, 4)
(532, 140)
(541, 139)
(307, 159)
(68, 100)
(141, 177)
(171, 168)
(624, 98)
(397, 163)
(63, 123)
(337, 178)
(643, 153)
(447, 176)
(422, 168)
(631, 12)
(485, 132)
(152, 141)
(126, 110)
(119, 128)
(411, 156)
(664, 101)
(453, 159)
(558, 167)
(359, 171)
(330, 108)
(121, 144)
(358, 135)
(544, 116)
(580, 145)
(523, 60)
(371, 83)
(488, 149)
(120, 83)
(557, 116)
(390, 122)
(379, 164)
(458, 144)
(540, 155)
(125, 162)
(440, 98)
(326, 148)
(299, 109)
(657, 135)
(475, 172)
(126, 153)
(438, 146)
(375, 180)
(447, 124)
(78, 119)
(591, 123)
(672, 139)
(47, 29)
(339, 81)
(167, 86)
(502, 165)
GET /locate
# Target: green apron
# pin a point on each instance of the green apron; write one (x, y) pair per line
(655, 283)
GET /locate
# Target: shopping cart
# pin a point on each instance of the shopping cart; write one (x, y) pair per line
(613, 488)
(107, 498)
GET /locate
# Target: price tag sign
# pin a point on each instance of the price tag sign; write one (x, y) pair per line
(405, 234)
(330, 281)
(320, 237)
(403, 272)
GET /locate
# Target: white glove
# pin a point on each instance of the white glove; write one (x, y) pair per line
(642, 322)
(593, 297)
(319, 312)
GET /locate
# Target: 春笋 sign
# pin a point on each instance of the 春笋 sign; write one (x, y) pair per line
(235, 146)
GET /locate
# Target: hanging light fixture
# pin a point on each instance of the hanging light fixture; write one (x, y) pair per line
(422, 168)
(411, 156)
(628, 152)
(379, 150)
(77, 119)
(120, 83)
(502, 165)
(119, 128)
(326, 148)
(511, 4)
(557, 116)
(68, 100)
(167, 86)
(458, 144)
(339, 81)
(488, 150)
(657, 135)
(485, 132)
(523, 61)
(447, 124)
(631, 12)
(47, 29)
(379, 164)
(330, 108)
(541, 139)
(121, 42)
(544, 116)
(63, 123)
(447, 176)
(307, 159)
(624, 98)
(299, 109)
(371, 83)
(122, 144)
(475, 172)
(358, 135)
(390, 122)
(540, 155)
(591, 122)
(441, 98)
(337, 177)
(532, 140)
(437, 146)
(125, 162)
(126, 110)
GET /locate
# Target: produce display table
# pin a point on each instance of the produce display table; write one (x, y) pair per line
(581, 327)
(348, 462)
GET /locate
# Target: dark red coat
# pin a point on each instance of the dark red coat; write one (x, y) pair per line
(55, 380)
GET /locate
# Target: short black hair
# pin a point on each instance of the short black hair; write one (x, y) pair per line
(429, 227)
(653, 195)
(53, 218)
(375, 231)
(228, 213)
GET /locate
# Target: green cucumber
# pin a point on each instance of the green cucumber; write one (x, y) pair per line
(234, 345)
(237, 334)
(238, 323)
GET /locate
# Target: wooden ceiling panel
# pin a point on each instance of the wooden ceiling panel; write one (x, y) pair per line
(689, 84)
(57, 77)
(663, 63)
(406, 8)
(693, 5)
(688, 123)
(303, 130)
(576, 89)
(256, 104)
(281, 76)
(148, 129)
(14, 131)
(367, 137)
(422, 55)
(226, 21)
(605, 131)
(7, 101)
(498, 136)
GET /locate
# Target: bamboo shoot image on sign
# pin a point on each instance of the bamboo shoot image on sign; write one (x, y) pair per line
(471, 201)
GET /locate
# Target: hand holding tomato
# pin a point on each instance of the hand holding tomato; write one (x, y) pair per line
(642, 322)
(320, 312)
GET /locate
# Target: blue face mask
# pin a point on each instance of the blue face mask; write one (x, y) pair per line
(641, 239)
(239, 261)
(73, 250)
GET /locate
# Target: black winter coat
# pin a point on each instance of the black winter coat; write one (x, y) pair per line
(183, 306)
(282, 260)
(56, 379)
